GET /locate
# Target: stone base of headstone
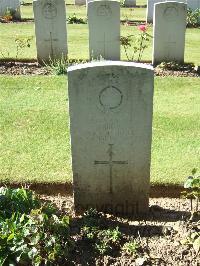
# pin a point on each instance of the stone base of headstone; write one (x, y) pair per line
(118, 204)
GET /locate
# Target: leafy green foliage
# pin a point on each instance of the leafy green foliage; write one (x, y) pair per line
(193, 240)
(102, 240)
(17, 201)
(175, 66)
(22, 44)
(192, 186)
(134, 45)
(32, 234)
(193, 18)
(74, 20)
(131, 248)
(59, 66)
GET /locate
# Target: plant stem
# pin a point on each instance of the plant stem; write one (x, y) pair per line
(140, 51)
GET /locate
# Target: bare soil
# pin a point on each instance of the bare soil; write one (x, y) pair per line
(160, 235)
(33, 68)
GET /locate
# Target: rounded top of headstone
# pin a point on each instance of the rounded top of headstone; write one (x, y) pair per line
(109, 63)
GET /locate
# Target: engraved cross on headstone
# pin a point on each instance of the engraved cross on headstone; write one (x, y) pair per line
(51, 40)
(110, 163)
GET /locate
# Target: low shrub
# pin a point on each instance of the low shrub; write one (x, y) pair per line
(31, 232)
(193, 18)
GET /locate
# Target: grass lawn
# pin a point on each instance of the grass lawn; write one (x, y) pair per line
(78, 42)
(80, 12)
(34, 133)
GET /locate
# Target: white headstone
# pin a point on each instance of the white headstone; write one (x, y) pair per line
(169, 32)
(10, 5)
(129, 3)
(193, 4)
(110, 106)
(50, 29)
(80, 2)
(104, 29)
(150, 8)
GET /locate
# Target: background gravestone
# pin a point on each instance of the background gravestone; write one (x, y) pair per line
(150, 8)
(104, 29)
(13, 6)
(130, 3)
(80, 2)
(169, 32)
(50, 29)
(110, 106)
(193, 4)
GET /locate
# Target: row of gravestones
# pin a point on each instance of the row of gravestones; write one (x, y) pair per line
(14, 5)
(126, 3)
(111, 109)
(104, 19)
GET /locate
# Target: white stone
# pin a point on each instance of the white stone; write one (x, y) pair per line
(169, 32)
(104, 29)
(129, 3)
(150, 8)
(13, 6)
(80, 2)
(193, 4)
(110, 107)
(50, 29)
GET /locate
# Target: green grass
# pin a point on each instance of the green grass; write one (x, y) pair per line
(34, 133)
(80, 11)
(78, 42)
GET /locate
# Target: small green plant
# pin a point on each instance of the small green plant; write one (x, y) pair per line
(31, 232)
(134, 46)
(192, 186)
(74, 20)
(22, 43)
(131, 248)
(92, 217)
(175, 66)
(193, 18)
(8, 15)
(193, 240)
(59, 66)
(107, 240)
(103, 241)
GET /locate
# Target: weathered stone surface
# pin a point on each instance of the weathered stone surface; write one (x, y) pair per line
(104, 29)
(130, 3)
(110, 106)
(169, 32)
(80, 2)
(13, 6)
(50, 29)
(150, 8)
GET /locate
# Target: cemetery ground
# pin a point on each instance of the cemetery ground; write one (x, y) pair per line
(35, 150)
